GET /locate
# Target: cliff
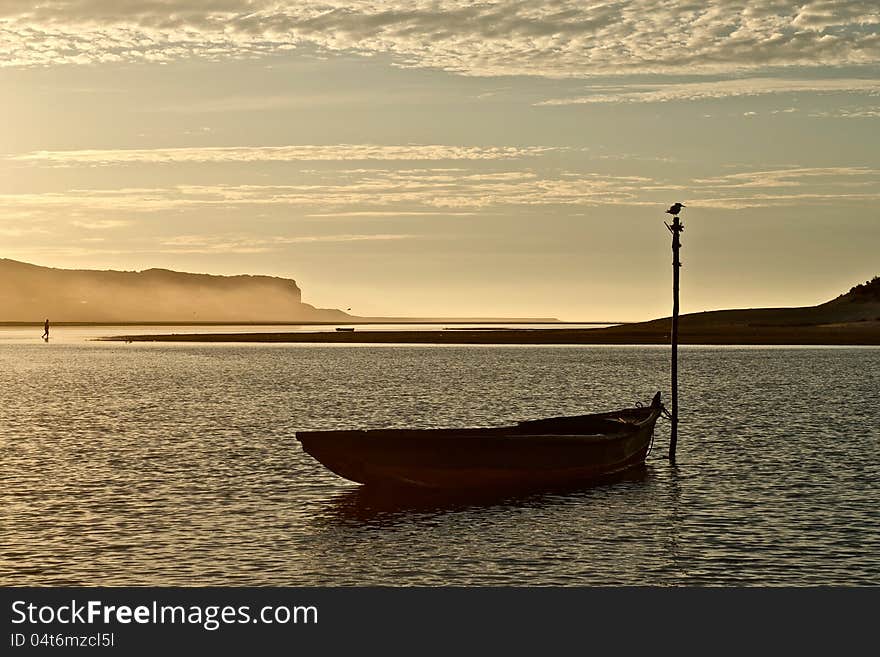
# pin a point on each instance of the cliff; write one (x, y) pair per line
(29, 293)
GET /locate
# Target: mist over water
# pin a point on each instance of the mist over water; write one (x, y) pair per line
(169, 464)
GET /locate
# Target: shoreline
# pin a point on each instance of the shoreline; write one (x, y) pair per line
(358, 322)
(795, 336)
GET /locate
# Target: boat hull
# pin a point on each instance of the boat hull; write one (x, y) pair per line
(557, 452)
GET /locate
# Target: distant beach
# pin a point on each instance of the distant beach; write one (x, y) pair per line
(856, 333)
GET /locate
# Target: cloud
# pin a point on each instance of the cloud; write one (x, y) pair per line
(792, 177)
(779, 200)
(791, 186)
(556, 38)
(335, 152)
(432, 193)
(389, 213)
(100, 224)
(689, 91)
(245, 244)
(375, 192)
(76, 201)
(850, 113)
(23, 231)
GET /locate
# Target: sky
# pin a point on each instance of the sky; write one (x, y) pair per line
(449, 158)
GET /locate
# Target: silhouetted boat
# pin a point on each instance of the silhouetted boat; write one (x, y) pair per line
(344, 328)
(554, 452)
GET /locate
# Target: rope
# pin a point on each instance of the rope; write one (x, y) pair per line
(664, 413)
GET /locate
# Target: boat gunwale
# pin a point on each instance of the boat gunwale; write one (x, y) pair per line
(617, 428)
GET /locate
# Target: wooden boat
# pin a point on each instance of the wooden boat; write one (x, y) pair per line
(554, 452)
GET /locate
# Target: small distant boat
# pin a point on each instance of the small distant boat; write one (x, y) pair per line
(548, 453)
(344, 328)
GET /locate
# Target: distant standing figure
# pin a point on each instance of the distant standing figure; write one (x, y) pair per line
(46, 331)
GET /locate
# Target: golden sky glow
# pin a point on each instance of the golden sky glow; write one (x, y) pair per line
(450, 158)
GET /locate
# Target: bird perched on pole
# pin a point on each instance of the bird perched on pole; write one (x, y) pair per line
(675, 209)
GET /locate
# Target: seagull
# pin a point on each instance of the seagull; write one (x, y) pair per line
(675, 209)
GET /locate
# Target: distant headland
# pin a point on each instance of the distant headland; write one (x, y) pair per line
(850, 319)
(31, 293)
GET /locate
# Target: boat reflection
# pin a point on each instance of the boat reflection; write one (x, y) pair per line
(386, 506)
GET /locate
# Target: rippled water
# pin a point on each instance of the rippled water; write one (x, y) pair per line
(177, 465)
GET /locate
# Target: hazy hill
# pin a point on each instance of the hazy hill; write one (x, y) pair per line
(860, 304)
(29, 293)
(852, 318)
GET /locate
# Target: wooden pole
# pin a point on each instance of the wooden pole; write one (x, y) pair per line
(676, 229)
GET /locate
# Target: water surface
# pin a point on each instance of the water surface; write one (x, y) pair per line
(167, 464)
